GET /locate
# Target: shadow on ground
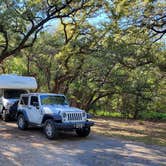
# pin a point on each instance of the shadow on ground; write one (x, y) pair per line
(30, 147)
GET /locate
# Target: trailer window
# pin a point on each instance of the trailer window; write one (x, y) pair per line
(13, 94)
(24, 100)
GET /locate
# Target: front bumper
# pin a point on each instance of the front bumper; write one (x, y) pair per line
(73, 125)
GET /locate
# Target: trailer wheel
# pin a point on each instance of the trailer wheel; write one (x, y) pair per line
(5, 116)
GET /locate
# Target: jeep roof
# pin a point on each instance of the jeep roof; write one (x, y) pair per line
(39, 94)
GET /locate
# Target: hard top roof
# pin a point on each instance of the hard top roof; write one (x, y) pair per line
(39, 94)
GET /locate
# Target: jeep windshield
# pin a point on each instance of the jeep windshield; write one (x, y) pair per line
(13, 93)
(51, 100)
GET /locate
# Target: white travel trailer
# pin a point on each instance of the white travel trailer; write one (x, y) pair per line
(11, 87)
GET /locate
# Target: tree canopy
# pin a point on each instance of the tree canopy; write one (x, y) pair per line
(21, 21)
(104, 55)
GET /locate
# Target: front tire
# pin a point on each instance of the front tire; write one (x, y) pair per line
(50, 130)
(84, 132)
(21, 122)
(5, 116)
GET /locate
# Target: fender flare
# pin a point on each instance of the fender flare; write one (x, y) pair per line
(24, 113)
(55, 117)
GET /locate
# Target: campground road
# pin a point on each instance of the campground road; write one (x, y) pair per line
(31, 148)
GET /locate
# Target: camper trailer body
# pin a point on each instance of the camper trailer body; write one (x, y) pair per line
(11, 87)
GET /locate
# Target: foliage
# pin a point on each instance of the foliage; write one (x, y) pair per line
(152, 115)
(116, 66)
(107, 114)
(21, 21)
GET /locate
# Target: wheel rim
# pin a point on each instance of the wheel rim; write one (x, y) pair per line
(48, 129)
(21, 122)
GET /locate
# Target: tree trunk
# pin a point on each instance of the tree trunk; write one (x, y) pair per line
(56, 86)
(28, 65)
(136, 107)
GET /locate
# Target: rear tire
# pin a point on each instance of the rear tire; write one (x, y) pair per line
(84, 132)
(5, 116)
(50, 130)
(21, 122)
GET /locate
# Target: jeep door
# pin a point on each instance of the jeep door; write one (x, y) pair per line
(34, 110)
(23, 104)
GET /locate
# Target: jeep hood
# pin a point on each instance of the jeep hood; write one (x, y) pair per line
(58, 109)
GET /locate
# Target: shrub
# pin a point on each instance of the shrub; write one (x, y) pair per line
(152, 115)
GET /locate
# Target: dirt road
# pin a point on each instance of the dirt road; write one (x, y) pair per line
(31, 148)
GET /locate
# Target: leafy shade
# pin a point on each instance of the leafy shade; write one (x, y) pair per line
(21, 21)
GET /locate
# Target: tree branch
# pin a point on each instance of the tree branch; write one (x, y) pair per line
(52, 12)
(5, 35)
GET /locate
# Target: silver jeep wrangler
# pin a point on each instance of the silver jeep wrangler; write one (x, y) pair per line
(53, 113)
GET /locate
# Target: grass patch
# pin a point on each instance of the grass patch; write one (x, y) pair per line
(107, 113)
(152, 115)
(143, 131)
(148, 115)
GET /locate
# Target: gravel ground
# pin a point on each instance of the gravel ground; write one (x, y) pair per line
(31, 148)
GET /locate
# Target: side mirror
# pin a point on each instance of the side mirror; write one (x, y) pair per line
(36, 104)
(67, 103)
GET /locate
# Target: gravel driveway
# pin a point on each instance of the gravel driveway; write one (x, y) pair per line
(31, 148)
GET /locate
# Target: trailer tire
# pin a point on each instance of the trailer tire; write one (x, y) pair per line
(5, 116)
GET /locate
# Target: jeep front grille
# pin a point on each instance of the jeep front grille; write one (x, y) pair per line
(74, 116)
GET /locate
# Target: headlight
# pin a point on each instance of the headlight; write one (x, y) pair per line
(64, 115)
